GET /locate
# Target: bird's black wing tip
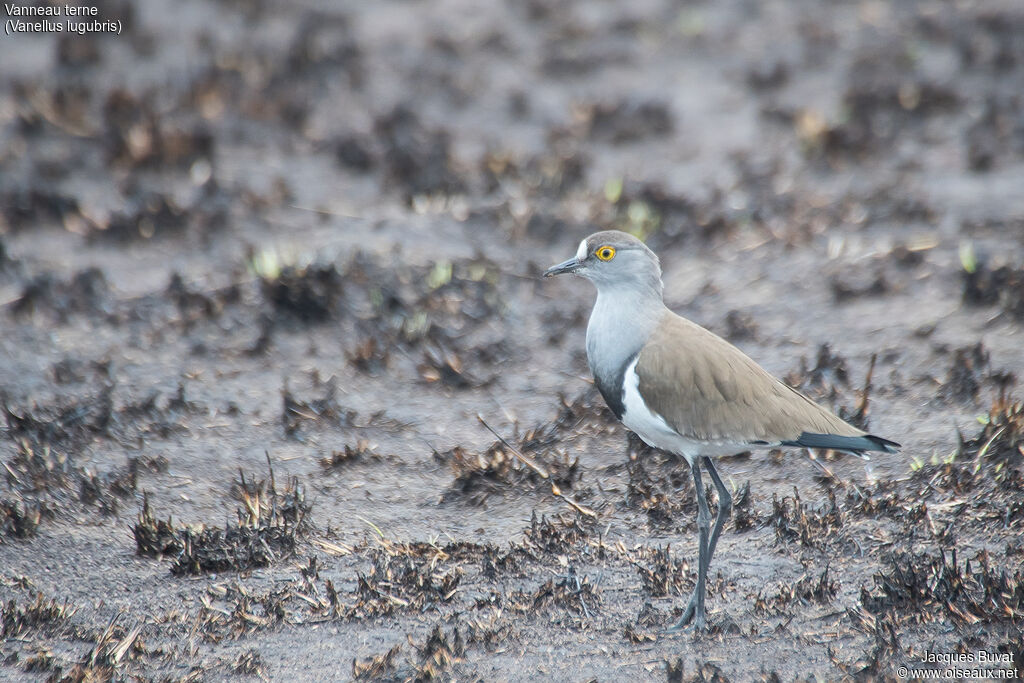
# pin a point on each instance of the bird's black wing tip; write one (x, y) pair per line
(853, 444)
(885, 444)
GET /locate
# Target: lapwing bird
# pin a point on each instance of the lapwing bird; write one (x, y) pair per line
(686, 390)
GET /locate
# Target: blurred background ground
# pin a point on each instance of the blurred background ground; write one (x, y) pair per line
(262, 265)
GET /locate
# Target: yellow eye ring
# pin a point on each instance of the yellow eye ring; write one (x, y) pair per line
(605, 253)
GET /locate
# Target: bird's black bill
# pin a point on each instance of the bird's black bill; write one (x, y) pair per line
(570, 266)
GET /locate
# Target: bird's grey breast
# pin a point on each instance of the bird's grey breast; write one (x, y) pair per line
(616, 333)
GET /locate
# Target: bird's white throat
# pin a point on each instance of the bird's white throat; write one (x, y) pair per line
(620, 324)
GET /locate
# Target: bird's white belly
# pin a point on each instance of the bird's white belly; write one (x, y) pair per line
(656, 432)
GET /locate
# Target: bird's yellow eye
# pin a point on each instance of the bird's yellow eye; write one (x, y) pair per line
(605, 253)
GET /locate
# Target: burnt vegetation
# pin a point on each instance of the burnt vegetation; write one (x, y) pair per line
(534, 459)
(661, 575)
(808, 589)
(403, 578)
(660, 486)
(985, 285)
(46, 473)
(268, 527)
(923, 587)
(795, 520)
(435, 312)
(970, 370)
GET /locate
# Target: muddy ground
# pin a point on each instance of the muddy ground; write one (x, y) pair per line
(272, 332)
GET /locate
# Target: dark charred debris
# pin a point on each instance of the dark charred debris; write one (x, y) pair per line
(299, 415)
(129, 131)
(250, 663)
(744, 516)
(445, 367)
(563, 535)
(987, 285)
(436, 658)
(807, 590)
(577, 595)
(73, 370)
(648, 623)
(409, 577)
(665, 219)
(158, 216)
(992, 458)
(137, 137)
(740, 326)
(377, 667)
(918, 588)
(796, 521)
(420, 576)
(240, 91)
(72, 421)
(668, 219)
(544, 177)
(976, 486)
(147, 214)
(707, 672)
(44, 477)
(25, 207)
(963, 381)
(416, 159)
(825, 378)
(85, 293)
(885, 99)
(403, 577)
(39, 619)
(439, 653)
(531, 460)
(397, 578)
(629, 121)
(497, 470)
(66, 422)
(437, 311)
(571, 53)
(829, 380)
(39, 613)
(195, 305)
(854, 286)
(114, 649)
(322, 410)
(310, 293)
(268, 528)
(7, 264)
(558, 321)
(876, 663)
(416, 578)
(969, 371)
(362, 451)
(661, 486)
(661, 576)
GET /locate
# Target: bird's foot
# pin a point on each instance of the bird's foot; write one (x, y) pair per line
(692, 618)
(698, 625)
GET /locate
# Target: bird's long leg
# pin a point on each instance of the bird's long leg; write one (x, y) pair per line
(695, 608)
(724, 506)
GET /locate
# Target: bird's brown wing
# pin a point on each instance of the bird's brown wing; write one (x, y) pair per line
(705, 388)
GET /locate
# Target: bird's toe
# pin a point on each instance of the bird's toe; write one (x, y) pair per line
(690, 614)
